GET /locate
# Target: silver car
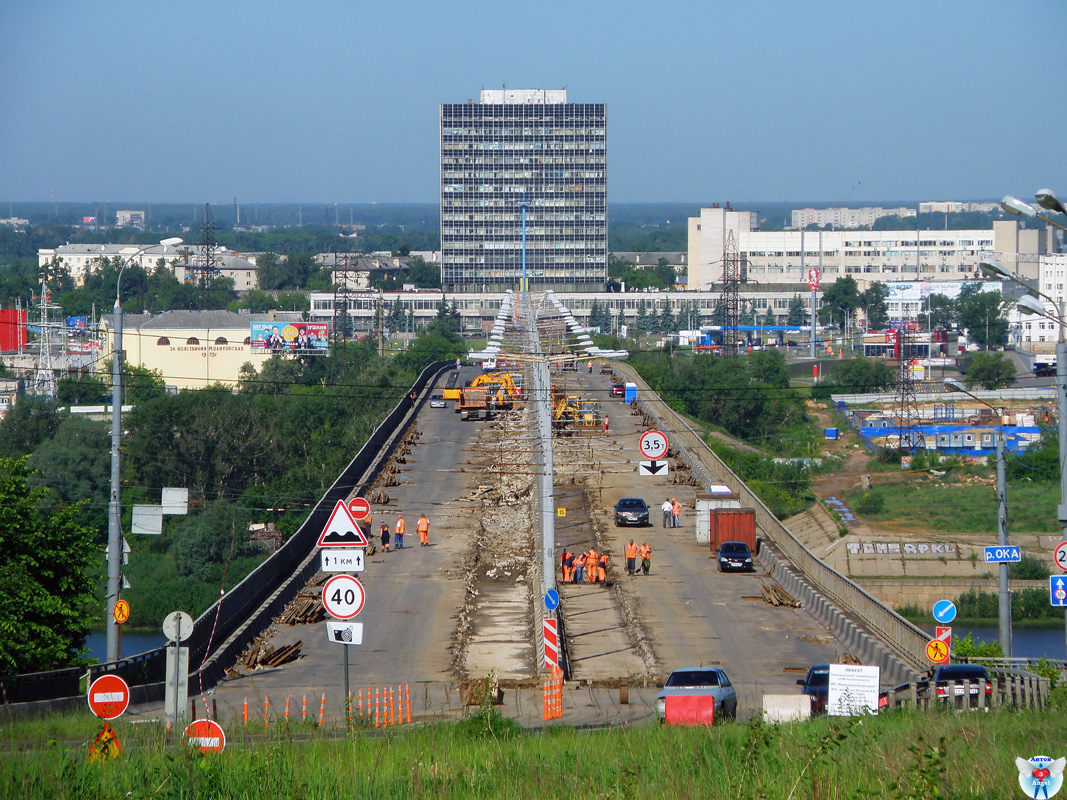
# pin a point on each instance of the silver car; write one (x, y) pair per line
(702, 682)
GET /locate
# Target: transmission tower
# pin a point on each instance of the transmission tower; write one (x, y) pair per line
(206, 269)
(906, 408)
(44, 373)
(731, 297)
(344, 277)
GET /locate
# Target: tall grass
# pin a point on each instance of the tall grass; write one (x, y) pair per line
(904, 754)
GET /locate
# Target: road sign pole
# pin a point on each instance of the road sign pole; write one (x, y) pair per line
(348, 694)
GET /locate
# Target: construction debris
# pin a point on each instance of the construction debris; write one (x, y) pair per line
(777, 596)
(262, 656)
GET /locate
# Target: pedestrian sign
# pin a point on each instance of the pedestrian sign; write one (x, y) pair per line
(122, 611)
(937, 651)
(1057, 590)
(341, 529)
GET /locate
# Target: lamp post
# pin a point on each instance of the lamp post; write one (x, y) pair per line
(1016, 207)
(1004, 597)
(114, 516)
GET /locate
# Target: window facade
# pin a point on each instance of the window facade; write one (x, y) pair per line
(500, 155)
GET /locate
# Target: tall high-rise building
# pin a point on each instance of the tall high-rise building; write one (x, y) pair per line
(516, 149)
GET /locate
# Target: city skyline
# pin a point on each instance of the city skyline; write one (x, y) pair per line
(337, 103)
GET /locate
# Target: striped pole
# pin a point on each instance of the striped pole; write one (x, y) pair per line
(266, 711)
(322, 708)
(348, 708)
(360, 705)
(407, 691)
(304, 709)
(246, 711)
(391, 719)
(376, 707)
(287, 708)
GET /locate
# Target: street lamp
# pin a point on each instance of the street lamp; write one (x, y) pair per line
(1016, 207)
(114, 517)
(1046, 198)
(1004, 604)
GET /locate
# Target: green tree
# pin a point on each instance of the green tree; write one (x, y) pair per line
(83, 390)
(872, 301)
(423, 274)
(841, 298)
(981, 314)
(30, 422)
(204, 542)
(798, 314)
(45, 563)
(269, 271)
(990, 371)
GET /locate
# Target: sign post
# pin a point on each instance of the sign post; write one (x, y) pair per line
(177, 627)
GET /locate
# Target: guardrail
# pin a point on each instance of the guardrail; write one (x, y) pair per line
(906, 640)
(1030, 393)
(1013, 688)
(244, 608)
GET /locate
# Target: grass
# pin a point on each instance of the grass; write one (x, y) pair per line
(903, 754)
(922, 506)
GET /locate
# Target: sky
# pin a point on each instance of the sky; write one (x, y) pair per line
(326, 101)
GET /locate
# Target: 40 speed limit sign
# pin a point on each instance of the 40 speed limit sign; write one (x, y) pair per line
(653, 444)
(343, 596)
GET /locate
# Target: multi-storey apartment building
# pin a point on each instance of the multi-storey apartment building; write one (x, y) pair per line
(516, 150)
(845, 217)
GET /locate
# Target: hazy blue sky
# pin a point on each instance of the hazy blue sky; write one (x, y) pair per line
(327, 102)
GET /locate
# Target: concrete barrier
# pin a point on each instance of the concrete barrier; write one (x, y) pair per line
(786, 707)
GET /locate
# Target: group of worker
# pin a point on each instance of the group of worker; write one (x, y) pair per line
(672, 513)
(592, 567)
(422, 527)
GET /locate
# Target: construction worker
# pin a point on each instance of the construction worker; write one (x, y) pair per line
(423, 528)
(590, 566)
(398, 529)
(590, 367)
(579, 567)
(646, 557)
(631, 558)
(602, 569)
(383, 532)
(676, 513)
(567, 562)
(605, 424)
(668, 513)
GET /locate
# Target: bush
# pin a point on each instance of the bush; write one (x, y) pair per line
(871, 503)
(1029, 569)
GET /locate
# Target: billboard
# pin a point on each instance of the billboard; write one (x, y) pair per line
(291, 337)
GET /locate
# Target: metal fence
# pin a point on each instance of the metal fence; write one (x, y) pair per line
(246, 609)
(907, 640)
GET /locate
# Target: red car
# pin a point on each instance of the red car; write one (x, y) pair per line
(618, 390)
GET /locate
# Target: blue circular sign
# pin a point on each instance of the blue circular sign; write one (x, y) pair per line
(944, 611)
(551, 599)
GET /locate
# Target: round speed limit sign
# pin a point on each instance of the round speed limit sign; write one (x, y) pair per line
(343, 596)
(653, 445)
(1061, 556)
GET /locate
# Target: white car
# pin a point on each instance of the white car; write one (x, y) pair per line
(437, 401)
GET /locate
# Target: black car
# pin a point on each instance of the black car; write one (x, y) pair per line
(960, 684)
(735, 556)
(817, 686)
(631, 511)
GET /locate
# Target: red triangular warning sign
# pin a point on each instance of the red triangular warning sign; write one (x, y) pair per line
(342, 530)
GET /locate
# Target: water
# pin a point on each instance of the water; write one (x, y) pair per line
(133, 642)
(1026, 642)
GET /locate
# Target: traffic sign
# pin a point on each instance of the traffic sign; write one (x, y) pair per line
(341, 529)
(944, 611)
(1002, 555)
(1061, 556)
(359, 507)
(122, 611)
(344, 632)
(653, 444)
(206, 735)
(551, 643)
(1057, 590)
(343, 560)
(653, 467)
(109, 695)
(343, 596)
(937, 651)
(944, 633)
(561, 512)
(551, 599)
(177, 626)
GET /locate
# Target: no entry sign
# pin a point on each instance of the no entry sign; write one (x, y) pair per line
(359, 507)
(206, 735)
(109, 696)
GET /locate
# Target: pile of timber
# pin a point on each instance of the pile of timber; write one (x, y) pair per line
(777, 596)
(306, 608)
(262, 656)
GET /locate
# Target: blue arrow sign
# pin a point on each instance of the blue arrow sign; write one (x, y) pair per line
(1057, 590)
(1008, 554)
(944, 611)
(551, 599)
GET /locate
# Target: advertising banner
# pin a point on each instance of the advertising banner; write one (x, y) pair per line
(291, 337)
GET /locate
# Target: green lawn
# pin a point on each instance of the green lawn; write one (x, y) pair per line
(901, 754)
(922, 505)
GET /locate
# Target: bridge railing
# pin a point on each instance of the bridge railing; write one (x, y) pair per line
(145, 672)
(907, 640)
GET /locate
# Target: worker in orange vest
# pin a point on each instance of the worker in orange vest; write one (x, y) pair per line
(423, 527)
(565, 556)
(676, 513)
(631, 558)
(590, 566)
(602, 570)
(398, 531)
(646, 557)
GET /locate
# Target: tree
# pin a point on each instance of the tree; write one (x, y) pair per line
(872, 301)
(45, 563)
(990, 371)
(798, 314)
(982, 315)
(841, 298)
(424, 274)
(941, 312)
(204, 542)
(269, 272)
(85, 390)
(30, 422)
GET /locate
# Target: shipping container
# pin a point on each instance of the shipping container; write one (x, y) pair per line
(732, 525)
(719, 497)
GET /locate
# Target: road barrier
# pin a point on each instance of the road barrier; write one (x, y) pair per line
(907, 641)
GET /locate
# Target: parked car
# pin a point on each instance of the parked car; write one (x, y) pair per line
(618, 390)
(960, 684)
(699, 682)
(817, 686)
(631, 511)
(437, 401)
(735, 556)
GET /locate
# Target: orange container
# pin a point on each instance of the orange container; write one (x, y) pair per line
(732, 525)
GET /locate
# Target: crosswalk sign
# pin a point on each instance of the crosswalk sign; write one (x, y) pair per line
(342, 530)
